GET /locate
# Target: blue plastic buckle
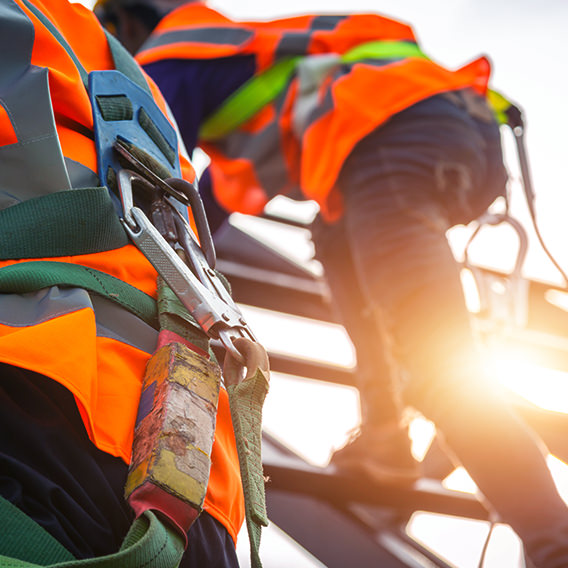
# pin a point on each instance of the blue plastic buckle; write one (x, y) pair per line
(116, 84)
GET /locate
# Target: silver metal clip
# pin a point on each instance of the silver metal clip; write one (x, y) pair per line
(202, 293)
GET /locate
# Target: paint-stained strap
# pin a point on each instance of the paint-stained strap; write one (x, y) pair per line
(174, 317)
(31, 276)
(216, 36)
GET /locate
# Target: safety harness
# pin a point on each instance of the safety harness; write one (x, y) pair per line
(265, 87)
(137, 158)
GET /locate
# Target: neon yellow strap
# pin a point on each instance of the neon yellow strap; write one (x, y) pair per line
(383, 50)
(499, 104)
(262, 89)
(246, 101)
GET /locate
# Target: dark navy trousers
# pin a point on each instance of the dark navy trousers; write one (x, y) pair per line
(397, 287)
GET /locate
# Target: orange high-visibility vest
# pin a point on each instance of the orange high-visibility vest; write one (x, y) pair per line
(88, 343)
(271, 152)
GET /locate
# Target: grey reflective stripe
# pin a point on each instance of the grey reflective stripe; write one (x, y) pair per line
(16, 31)
(264, 151)
(298, 42)
(114, 322)
(308, 107)
(23, 310)
(327, 22)
(117, 323)
(293, 43)
(81, 176)
(311, 72)
(216, 36)
(34, 165)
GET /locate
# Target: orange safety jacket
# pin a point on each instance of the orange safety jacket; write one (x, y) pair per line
(275, 153)
(87, 342)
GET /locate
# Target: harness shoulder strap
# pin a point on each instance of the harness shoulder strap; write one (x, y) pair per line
(265, 87)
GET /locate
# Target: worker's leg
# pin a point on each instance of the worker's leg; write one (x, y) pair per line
(396, 227)
(52, 472)
(380, 402)
(390, 461)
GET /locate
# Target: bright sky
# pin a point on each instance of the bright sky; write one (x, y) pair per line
(525, 40)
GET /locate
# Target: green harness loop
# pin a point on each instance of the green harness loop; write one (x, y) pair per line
(25, 544)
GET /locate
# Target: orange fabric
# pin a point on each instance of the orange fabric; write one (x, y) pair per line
(334, 135)
(7, 132)
(104, 374)
(358, 99)
(235, 184)
(178, 20)
(357, 29)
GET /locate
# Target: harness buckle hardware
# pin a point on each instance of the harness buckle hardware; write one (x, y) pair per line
(196, 283)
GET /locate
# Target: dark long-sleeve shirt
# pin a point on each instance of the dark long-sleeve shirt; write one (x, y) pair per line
(194, 89)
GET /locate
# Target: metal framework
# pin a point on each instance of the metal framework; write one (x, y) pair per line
(343, 521)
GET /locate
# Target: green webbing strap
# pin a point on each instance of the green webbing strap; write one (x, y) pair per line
(174, 316)
(150, 543)
(262, 89)
(31, 276)
(24, 539)
(125, 63)
(246, 400)
(65, 223)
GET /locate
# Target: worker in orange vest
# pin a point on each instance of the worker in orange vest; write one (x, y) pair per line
(396, 149)
(77, 304)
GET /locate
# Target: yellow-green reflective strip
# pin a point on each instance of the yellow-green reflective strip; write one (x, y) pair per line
(383, 50)
(265, 87)
(245, 102)
(499, 104)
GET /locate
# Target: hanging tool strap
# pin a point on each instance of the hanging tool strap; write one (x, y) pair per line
(246, 400)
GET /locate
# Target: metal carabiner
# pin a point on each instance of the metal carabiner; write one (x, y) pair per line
(210, 304)
(185, 192)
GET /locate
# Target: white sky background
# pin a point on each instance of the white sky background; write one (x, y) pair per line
(527, 43)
